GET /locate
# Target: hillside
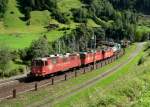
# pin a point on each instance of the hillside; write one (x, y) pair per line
(14, 20)
(13, 30)
(67, 24)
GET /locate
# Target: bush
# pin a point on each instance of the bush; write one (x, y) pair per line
(3, 6)
(141, 60)
(64, 29)
(24, 54)
(141, 36)
(5, 58)
(147, 46)
(61, 17)
(38, 48)
(87, 1)
(20, 70)
(9, 73)
(106, 100)
(14, 55)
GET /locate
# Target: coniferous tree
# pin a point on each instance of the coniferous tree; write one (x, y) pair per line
(3, 6)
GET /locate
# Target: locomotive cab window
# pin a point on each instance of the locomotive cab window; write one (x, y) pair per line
(37, 63)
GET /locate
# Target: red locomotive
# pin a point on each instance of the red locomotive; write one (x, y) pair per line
(59, 63)
(108, 53)
(90, 57)
(54, 64)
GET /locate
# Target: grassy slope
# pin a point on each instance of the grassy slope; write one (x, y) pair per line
(19, 41)
(143, 100)
(66, 5)
(12, 16)
(13, 24)
(15, 33)
(61, 88)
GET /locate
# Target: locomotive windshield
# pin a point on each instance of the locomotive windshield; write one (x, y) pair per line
(38, 63)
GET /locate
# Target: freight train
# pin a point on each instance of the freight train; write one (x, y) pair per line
(60, 63)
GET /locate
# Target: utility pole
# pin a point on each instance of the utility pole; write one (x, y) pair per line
(94, 51)
(94, 39)
(59, 46)
(74, 44)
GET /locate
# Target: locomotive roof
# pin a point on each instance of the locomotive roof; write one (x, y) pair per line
(63, 56)
(42, 59)
(92, 51)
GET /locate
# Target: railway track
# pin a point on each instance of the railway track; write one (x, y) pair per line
(12, 80)
(22, 85)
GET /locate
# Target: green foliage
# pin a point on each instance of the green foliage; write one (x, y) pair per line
(147, 46)
(87, 1)
(80, 15)
(5, 58)
(3, 5)
(38, 48)
(117, 24)
(106, 101)
(8, 67)
(139, 5)
(102, 9)
(122, 25)
(26, 6)
(13, 72)
(81, 39)
(61, 17)
(100, 33)
(141, 60)
(142, 33)
(39, 18)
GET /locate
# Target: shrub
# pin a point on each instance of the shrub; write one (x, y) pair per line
(147, 46)
(20, 69)
(14, 55)
(5, 58)
(141, 60)
(106, 100)
(24, 54)
(13, 72)
(61, 17)
(38, 48)
(3, 6)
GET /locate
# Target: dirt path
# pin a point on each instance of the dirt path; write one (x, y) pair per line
(76, 89)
